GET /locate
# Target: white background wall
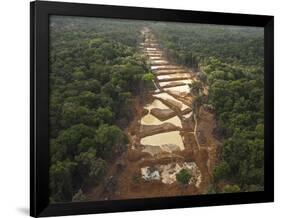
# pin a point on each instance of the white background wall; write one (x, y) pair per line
(14, 107)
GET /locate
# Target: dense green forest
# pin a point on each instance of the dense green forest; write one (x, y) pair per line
(229, 60)
(95, 69)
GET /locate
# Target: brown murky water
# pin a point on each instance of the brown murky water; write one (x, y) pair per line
(149, 119)
(165, 67)
(185, 81)
(173, 137)
(166, 97)
(164, 70)
(178, 76)
(181, 89)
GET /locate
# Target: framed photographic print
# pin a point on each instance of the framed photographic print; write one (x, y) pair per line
(140, 108)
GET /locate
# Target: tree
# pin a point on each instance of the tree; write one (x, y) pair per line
(93, 86)
(90, 166)
(148, 76)
(196, 87)
(221, 171)
(58, 151)
(78, 75)
(79, 196)
(183, 176)
(260, 131)
(103, 115)
(86, 144)
(231, 189)
(72, 136)
(197, 102)
(73, 114)
(61, 180)
(88, 99)
(106, 137)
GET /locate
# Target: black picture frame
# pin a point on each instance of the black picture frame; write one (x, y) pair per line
(39, 141)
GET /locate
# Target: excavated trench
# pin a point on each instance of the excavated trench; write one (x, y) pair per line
(165, 137)
(161, 129)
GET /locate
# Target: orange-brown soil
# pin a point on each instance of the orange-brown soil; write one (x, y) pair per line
(124, 181)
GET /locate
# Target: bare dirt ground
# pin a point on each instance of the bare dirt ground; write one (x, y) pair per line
(124, 180)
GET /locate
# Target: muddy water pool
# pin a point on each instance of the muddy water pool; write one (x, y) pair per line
(172, 137)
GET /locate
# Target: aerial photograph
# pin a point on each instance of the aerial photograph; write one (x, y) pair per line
(148, 109)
